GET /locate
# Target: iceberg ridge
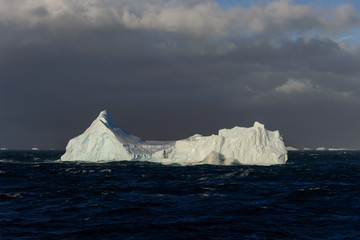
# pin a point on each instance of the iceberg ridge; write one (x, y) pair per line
(104, 141)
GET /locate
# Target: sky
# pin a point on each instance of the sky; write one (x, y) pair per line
(167, 69)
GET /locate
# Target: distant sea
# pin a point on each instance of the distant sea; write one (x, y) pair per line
(316, 195)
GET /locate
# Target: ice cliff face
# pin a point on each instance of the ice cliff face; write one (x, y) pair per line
(104, 141)
(253, 146)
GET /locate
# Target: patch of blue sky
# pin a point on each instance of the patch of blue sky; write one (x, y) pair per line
(226, 4)
(351, 37)
(314, 3)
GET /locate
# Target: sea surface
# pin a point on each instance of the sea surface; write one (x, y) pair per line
(316, 195)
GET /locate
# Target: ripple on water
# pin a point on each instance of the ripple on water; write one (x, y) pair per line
(309, 198)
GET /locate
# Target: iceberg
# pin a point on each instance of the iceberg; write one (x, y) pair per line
(341, 149)
(321, 149)
(104, 141)
(289, 148)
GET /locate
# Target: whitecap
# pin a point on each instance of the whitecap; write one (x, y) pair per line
(11, 195)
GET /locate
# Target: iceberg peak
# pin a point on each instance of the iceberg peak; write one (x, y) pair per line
(258, 125)
(106, 118)
(105, 113)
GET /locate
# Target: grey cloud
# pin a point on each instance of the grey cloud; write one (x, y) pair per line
(168, 84)
(40, 12)
(186, 17)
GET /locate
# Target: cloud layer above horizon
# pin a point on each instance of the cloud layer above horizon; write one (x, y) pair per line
(169, 69)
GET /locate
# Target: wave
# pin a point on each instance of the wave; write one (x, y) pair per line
(10, 195)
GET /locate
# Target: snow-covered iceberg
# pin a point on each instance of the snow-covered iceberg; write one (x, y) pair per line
(104, 141)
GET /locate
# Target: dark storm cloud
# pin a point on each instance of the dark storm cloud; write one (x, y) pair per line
(40, 12)
(62, 62)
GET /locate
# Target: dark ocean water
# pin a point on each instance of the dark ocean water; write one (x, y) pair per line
(316, 195)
